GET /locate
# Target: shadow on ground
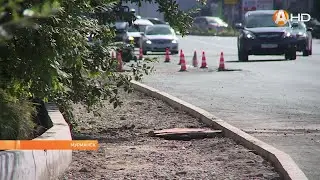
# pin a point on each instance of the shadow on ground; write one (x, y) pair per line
(251, 61)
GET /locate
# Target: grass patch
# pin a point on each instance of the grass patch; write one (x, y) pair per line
(22, 119)
(16, 118)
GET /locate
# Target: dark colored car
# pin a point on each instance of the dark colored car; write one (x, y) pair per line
(303, 36)
(260, 35)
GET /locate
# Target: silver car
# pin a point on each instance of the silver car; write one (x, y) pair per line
(158, 38)
(207, 23)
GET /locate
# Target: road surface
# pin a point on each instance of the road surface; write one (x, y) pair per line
(275, 100)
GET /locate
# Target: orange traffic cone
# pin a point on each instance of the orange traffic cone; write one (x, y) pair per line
(167, 59)
(204, 61)
(221, 63)
(195, 60)
(140, 54)
(183, 63)
(181, 53)
(120, 63)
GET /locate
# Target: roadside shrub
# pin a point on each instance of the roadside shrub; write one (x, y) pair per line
(16, 118)
(45, 54)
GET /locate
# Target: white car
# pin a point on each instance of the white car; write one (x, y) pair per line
(158, 38)
(134, 31)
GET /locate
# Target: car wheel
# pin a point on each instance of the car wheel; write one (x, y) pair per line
(291, 54)
(287, 55)
(135, 58)
(174, 52)
(310, 49)
(305, 52)
(243, 56)
(310, 52)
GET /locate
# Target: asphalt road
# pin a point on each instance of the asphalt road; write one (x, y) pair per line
(275, 100)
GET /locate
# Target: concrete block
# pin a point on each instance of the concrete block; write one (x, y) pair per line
(39, 164)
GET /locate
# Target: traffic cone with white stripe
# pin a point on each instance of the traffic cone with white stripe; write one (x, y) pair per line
(140, 54)
(181, 53)
(112, 56)
(167, 59)
(183, 63)
(195, 59)
(204, 61)
(221, 63)
(120, 63)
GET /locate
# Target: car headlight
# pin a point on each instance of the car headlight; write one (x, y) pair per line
(249, 35)
(302, 34)
(148, 42)
(287, 34)
(174, 41)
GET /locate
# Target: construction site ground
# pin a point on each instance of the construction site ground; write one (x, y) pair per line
(127, 152)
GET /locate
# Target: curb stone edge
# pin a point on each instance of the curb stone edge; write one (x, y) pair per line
(282, 162)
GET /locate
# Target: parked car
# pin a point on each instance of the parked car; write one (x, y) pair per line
(260, 35)
(315, 25)
(206, 23)
(135, 31)
(156, 21)
(158, 38)
(304, 37)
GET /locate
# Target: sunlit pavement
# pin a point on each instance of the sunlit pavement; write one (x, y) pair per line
(275, 100)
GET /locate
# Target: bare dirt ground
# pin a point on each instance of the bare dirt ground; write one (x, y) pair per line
(127, 152)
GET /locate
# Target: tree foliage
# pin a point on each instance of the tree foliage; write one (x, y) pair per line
(316, 9)
(45, 51)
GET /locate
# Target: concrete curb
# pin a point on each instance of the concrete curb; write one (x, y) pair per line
(39, 164)
(282, 162)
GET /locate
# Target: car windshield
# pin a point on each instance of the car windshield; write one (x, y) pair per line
(141, 28)
(300, 26)
(133, 29)
(212, 20)
(261, 20)
(155, 21)
(159, 31)
(216, 20)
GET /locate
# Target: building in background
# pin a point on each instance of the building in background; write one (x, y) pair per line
(293, 6)
(231, 11)
(299, 6)
(252, 5)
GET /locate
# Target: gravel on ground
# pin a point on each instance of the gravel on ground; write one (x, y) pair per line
(127, 152)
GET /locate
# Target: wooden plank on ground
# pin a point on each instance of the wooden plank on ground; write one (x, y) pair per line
(186, 133)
